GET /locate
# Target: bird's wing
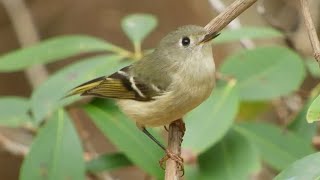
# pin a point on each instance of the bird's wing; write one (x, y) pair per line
(119, 85)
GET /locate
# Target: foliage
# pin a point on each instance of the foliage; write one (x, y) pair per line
(226, 149)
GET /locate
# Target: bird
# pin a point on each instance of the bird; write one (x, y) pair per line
(165, 84)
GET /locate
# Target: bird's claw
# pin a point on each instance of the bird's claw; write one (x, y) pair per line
(177, 158)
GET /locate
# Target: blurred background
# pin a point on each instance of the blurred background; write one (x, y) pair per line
(102, 19)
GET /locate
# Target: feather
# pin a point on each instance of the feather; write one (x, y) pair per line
(119, 85)
(85, 87)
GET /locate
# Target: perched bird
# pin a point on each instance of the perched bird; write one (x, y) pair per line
(165, 84)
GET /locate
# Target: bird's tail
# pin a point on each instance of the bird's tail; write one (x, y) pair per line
(85, 87)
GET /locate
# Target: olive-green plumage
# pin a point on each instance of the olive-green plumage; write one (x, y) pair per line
(164, 85)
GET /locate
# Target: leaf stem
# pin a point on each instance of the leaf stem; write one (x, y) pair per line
(137, 51)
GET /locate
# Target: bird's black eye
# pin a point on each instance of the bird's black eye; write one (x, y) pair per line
(185, 41)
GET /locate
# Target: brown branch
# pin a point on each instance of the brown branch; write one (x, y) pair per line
(313, 36)
(229, 14)
(219, 6)
(176, 132)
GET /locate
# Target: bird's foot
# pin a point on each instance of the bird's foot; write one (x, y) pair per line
(175, 157)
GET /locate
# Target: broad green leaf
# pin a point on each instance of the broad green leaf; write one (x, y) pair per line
(14, 111)
(138, 26)
(47, 97)
(306, 168)
(209, 122)
(313, 67)
(278, 148)
(108, 162)
(265, 73)
(313, 113)
(234, 157)
(56, 152)
(251, 110)
(229, 35)
(52, 50)
(126, 136)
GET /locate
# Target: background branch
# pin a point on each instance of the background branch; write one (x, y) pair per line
(313, 36)
(27, 35)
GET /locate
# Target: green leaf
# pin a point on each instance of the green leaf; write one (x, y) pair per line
(313, 67)
(306, 168)
(234, 157)
(278, 148)
(313, 113)
(126, 136)
(138, 26)
(56, 152)
(209, 122)
(108, 162)
(52, 50)
(300, 127)
(47, 98)
(313, 110)
(14, 111)
(265, 73)
(229, 35)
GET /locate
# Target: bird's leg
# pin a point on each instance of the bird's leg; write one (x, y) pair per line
(169, 155)
(146, 132)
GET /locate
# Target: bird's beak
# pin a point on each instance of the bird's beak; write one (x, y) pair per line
(209, 37)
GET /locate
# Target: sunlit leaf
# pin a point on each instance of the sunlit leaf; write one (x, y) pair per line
(251, 110)
(313, 113)
(306, 168)
(47, 97)
(277, 147)
(209, 122)
(229, 35)
(138, 26)
(108, 162)
(51, 50)
(126, 136)
(56, 152)
(14, 111)
(265, 73)
(234, 157)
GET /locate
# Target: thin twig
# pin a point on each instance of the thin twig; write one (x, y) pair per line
(235, 24)
(229, 14)
(13, 147)
(313, 36)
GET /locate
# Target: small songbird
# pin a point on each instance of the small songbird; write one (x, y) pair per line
(165, 84)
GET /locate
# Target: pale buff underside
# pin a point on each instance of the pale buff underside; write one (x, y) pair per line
(190, 88)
